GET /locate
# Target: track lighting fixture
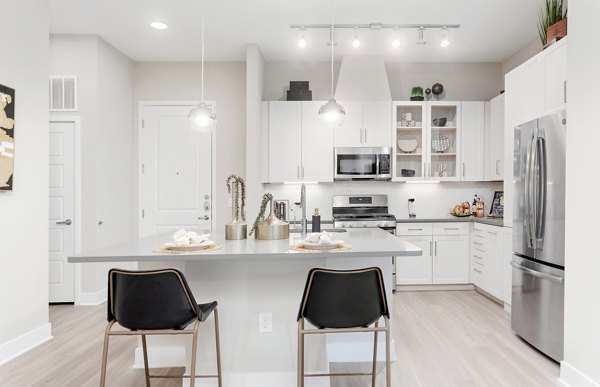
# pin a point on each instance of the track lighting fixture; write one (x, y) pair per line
(445, 42)
(302, 38)
(356, 40)
(421, 36)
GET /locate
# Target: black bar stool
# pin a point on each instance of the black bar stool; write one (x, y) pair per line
(156, 302)
(344, 301)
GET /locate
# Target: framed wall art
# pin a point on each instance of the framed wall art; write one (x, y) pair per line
(7, 137)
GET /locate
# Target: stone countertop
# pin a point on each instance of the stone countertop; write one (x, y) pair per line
(491, 221)
(366, 242)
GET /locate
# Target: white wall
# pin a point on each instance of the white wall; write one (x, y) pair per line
(462, 81)
(105, 105)
(24, 211)
(582, 264)
(255, 76)
(523, 54)
(225, 84)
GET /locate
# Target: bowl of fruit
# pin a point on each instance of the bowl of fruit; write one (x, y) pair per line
(460, 210)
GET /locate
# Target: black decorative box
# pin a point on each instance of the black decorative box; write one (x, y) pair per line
(299, 86)
(299, 95)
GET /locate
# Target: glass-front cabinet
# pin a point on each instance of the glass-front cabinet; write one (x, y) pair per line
(427, 138)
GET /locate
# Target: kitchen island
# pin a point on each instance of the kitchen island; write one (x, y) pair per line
(250, 277)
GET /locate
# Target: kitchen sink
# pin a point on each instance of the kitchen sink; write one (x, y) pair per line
(297, 230)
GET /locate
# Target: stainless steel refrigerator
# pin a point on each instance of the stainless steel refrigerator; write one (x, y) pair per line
(538, 261)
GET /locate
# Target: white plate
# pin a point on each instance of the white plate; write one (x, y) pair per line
(321, 246)
(191, 247)
(407, 143)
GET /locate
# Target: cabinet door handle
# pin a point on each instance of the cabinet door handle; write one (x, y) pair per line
(451, 228)
(565, 91)
(462, 167)
(431, 249)
(366, 136)
(435, 248)
(497, 167)
(303, 171)
(415, 229)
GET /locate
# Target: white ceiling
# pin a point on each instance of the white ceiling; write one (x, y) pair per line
(491, 30)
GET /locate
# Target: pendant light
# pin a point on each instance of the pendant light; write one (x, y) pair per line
(202, 116)
(332, 112)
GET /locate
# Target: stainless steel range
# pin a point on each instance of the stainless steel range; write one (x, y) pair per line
(364, 211)
(356, 211)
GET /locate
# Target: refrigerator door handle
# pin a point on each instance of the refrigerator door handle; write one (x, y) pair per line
(528, 195)
(536, 273)
(541, 188)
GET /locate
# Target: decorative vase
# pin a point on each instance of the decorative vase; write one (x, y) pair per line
(272, 227)
(238, 228)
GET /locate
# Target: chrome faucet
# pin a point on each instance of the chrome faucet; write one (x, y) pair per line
(303, 205)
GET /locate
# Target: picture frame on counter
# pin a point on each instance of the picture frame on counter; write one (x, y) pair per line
(497, 207)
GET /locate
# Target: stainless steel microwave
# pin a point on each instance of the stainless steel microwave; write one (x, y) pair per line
(363, 163)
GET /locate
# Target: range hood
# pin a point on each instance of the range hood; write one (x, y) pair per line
(363, 78)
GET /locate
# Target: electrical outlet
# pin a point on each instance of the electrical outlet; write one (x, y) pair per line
(265, 322)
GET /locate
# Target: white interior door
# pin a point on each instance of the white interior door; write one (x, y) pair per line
(176, 179)
(61, 275)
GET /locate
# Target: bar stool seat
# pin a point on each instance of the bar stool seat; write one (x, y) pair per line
(156, 302)
(344, 301)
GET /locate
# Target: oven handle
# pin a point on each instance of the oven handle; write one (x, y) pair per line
(536, 273)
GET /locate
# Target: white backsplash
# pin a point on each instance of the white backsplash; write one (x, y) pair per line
(431, 200)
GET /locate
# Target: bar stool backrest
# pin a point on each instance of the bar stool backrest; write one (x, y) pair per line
(154, 299)
(343, 298)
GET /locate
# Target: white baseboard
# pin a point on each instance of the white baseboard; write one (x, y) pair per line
(92, 298)
(27, 341)
(418, 288)
(507, 308)
(570, 376)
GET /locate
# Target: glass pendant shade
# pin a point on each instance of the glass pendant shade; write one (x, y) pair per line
(202, 117)
(332, 112)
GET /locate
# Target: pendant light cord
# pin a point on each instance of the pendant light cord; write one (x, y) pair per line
(332, 44)
(202, 55)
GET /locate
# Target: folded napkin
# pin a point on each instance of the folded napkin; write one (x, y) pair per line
(182, 237)
(322, 238)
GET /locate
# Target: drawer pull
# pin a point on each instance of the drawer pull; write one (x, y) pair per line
(493, 233)
(479, 271)
(480, 236)
(477, 256)
(451, 229)
(415, 229)
(477, 243)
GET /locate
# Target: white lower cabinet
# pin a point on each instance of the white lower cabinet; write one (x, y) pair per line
(445, 254)
(506, 267)
(487, 258)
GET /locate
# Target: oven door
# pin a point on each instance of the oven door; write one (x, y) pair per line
(356, 163)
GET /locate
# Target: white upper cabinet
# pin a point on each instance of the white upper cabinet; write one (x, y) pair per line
(300, 144)
(556, 77)
(365, 124)
(472, 141)
(533, 89)
(317, 145)
(444, 140)
(285, 120)
(494, 140)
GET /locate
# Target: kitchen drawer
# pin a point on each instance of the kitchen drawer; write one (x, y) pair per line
(478, 228)
(479, 258)
(479, 243)
(456, 228)
(406, 229)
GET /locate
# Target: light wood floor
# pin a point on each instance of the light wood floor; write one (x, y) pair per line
(457, 338)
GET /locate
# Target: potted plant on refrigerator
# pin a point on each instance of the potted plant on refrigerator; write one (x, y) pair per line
(552, 25)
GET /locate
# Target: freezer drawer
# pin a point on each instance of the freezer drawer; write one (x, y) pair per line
(538, 305)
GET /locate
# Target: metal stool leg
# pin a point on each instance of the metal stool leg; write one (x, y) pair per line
(194, 348)
(388, 375)
(374, 376)
(300, 353)
(105, 355)
(218, 343)
(146, 370)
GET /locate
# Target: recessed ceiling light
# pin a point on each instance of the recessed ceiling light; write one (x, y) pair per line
(158, 25)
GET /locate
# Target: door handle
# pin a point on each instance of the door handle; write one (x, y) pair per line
(536, 273)
(431, 248)
(366, 136)
(205, 217)
(497, 167)
(435, 248)
(67, 222)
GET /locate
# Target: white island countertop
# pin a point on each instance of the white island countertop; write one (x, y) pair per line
(366, 242)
